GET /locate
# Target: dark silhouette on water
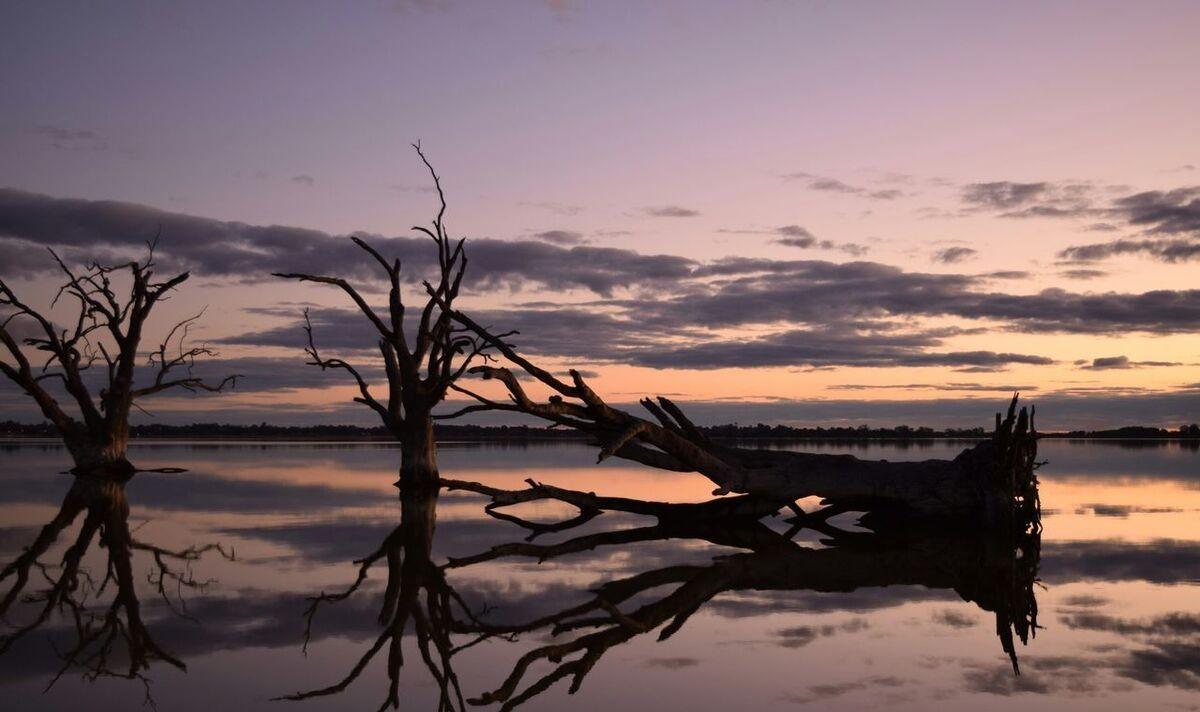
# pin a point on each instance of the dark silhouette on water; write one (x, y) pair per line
(995, 569)
(416, 594)
(106, 332)
(985, 486)
(419, 371)
(104, 640)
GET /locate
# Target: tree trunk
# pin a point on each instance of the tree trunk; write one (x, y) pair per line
(418, 456)
(100, 455)
(989, 485)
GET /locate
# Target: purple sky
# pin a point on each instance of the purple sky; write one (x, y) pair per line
(911, 179)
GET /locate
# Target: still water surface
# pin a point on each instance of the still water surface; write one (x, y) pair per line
(749, 624)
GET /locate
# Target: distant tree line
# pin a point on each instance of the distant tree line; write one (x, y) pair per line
(266, 431)
(1137, 432)
(734, 431)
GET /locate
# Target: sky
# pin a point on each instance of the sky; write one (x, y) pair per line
(794, 212)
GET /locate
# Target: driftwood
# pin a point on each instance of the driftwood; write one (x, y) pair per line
(995, 570)
(984, 486)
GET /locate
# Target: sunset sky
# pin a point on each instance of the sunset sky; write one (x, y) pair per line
(797, 212)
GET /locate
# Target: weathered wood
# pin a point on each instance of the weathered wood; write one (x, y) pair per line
(419, 370)
(985, 485)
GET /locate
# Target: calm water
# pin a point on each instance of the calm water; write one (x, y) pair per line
(754, 622)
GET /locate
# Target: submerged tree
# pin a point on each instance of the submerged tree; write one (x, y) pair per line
(421, 369)
(986, 485)
(106, 332)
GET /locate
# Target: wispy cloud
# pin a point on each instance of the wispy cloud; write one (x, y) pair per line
(669, 211)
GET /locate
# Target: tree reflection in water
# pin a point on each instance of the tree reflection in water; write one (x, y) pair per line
(105, 639)
(995, 570)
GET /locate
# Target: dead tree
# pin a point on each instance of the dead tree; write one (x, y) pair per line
(106, 332)
(105, 639)
(986, 485)
(419, 370)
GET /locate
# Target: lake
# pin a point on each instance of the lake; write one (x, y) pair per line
(748, 620)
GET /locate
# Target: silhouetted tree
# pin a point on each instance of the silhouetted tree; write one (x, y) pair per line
(106, 331)
(983, 486)
(420, 370)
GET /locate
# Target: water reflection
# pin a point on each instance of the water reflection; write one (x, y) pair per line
(99, 638)
(416, 594)
(758, 615)
(995, 571)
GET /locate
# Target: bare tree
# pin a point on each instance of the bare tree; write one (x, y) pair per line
(419, 370)
(107, 332)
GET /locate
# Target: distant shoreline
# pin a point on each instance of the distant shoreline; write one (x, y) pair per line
(214, 432)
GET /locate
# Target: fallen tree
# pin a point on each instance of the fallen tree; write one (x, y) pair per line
(985, 485)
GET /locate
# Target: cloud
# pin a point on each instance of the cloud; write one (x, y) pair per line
(795, 232)
(672, 663)
(1122, 511)
(616, 338)
(1171, 212)
(954, 255)
(108, 230)
(954, 619)
(553, 207)
(1083, 274)
(1169, 220)
(304, 180)
(669, 211)
(560, 237)
(1162, 250)
(1107, 363)
(70, 139)
(1002, 195)
(952, 386)
(406, 6)
(833, 185)
(801, 636)
(827, 691)
(1159, 561)
(818, 292)
(405, 188)
(796, 236)
(759, 291)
